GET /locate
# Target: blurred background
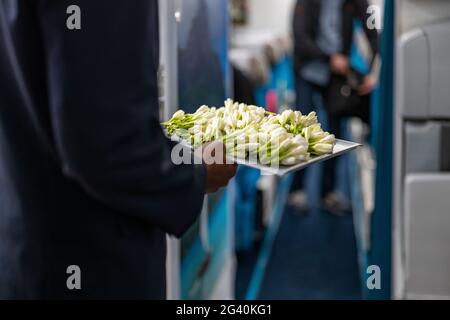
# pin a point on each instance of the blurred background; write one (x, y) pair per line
(375, 224)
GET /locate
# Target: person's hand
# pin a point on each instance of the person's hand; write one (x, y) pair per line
(218, 171)
(367, 86)
(339, 64)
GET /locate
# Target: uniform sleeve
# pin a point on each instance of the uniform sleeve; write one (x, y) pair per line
(372, 34)
(103, 99)
(305, 45)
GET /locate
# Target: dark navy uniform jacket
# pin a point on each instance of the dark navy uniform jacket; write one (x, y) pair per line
(86, 177)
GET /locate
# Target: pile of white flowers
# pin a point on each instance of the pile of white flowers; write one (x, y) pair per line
(249, 132)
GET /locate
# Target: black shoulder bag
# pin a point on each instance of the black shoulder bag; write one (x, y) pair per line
(342, 98)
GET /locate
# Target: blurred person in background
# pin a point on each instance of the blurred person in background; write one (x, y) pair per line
(323, 37)
(86, 176)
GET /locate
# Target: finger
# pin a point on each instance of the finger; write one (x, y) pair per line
(364, 92)
(365, 89)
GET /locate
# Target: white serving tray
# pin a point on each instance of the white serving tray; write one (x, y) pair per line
(341, 147)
